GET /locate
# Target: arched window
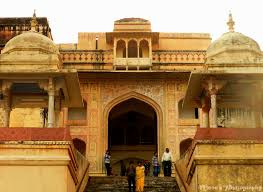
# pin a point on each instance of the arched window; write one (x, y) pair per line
(132, 49)
(144, 49)
(80, 146)
(121, 49)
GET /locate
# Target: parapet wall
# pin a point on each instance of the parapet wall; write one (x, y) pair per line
(38, 159)
(223, 159)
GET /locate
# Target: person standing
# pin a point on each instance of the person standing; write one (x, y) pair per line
(147, 166)
(139, 177)
(107, 158)
(156, 166)
(123, 168)
(167, 162)
(131, 176)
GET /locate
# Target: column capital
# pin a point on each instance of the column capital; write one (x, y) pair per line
(51, 85)
(213, 85)
(6, 86)
(48, 85)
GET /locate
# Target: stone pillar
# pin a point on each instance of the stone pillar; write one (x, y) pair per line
(138, 50)
(126, 45)
(213, 118)
(51, 104)
(6, 107)
(212, 86)
(6, 116)
(150, 49)
(114, 49)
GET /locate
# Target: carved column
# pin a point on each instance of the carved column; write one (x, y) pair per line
(126, 46)
(213, 110)
(212, 86)
(138, 50)
(114, 48)
(6, 86)
(150, 49)
(7, 109)
(51, 103)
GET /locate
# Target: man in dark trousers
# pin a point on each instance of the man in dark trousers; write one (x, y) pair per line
(167, 162)
(131, 176)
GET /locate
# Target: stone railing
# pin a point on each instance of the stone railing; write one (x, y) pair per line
(126, 63)
(86, 56)
(82, 172)
(184, 56)
(106, 60)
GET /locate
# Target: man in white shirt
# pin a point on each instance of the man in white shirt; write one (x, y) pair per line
(167, 162)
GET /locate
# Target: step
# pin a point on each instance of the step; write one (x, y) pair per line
(120, 184)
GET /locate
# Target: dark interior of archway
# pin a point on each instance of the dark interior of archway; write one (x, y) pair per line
(132, 122)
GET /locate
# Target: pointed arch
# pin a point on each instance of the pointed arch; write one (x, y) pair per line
(143, 98)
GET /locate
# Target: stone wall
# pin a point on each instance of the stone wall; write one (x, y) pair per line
(102, 95)
(26, 117)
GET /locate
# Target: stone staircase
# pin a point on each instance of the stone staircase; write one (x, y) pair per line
(120, 184)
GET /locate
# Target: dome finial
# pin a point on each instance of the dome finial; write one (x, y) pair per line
(33, 22)
(230, 22)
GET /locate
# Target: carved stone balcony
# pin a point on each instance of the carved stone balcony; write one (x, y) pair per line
(132, 63)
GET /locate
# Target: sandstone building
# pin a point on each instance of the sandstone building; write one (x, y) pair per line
(135, 92)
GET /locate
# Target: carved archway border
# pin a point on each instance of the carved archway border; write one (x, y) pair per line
(147, 100)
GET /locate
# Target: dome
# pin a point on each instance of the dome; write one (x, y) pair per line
(233, 42)
(233, 49)
(31, 41)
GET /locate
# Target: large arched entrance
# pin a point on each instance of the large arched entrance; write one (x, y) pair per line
(132, 132)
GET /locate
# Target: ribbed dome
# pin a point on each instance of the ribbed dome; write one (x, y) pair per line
(31, 41)
(233, 42)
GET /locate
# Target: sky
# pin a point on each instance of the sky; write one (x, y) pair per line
(68, 17)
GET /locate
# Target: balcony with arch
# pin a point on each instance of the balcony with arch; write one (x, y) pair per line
(132, 54)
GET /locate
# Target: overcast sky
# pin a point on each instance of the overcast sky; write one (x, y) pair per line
(68, 17)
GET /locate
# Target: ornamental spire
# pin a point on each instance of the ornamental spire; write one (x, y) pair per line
(33, 22)
(230, 23)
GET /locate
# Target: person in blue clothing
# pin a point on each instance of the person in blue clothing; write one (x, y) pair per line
(156, 166)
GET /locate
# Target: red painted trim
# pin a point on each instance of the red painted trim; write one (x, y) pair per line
(34, 134)
(229, 134)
